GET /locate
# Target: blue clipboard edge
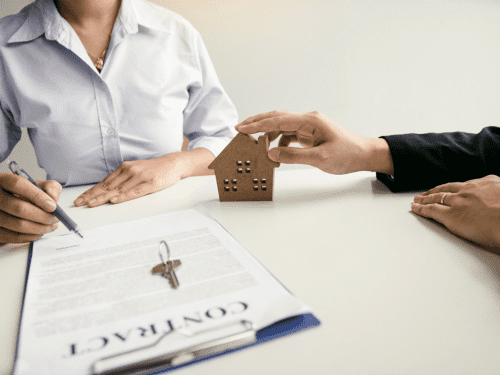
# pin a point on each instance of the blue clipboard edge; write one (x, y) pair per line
(28, 264)
(281, 328)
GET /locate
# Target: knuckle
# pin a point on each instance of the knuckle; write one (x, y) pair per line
(40, 196)
(16, 184)
(314, 116)
(134, 169)
(276, 120)
(104, 185)
(465, 195)
(18, 207)
(137, 191)
(54, 184)
(21, 226)
(321, 155)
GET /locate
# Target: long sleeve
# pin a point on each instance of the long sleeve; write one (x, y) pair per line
(423, 161)
(9, 135)
(158, 84)
(210, 116)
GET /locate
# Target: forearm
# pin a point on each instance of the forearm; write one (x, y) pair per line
(194, 162)
(422, 161)
(378, 156)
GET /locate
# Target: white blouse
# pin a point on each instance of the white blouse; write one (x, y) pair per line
(157, 84)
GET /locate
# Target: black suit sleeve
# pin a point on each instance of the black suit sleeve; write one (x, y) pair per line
(423, 161)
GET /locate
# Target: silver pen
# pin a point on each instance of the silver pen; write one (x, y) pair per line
(59, 213)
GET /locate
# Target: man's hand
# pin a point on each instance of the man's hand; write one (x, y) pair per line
(134, 179)
(470, 209)
(326, 145)
(25, 210)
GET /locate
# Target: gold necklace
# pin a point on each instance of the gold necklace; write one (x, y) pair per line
(100, 60)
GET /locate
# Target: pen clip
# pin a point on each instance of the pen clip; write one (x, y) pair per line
(15, 168)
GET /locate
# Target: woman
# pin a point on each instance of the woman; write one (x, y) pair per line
(106, 89)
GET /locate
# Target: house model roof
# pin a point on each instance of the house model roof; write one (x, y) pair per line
(242, 147)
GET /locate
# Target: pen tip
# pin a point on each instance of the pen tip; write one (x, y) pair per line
(79, 234)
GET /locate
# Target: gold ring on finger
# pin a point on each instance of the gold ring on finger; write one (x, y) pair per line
(443, 197)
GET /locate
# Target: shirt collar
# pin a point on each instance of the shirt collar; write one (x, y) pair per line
(138, 12)
(44, 18)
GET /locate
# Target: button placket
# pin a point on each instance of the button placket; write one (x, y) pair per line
(107, 121)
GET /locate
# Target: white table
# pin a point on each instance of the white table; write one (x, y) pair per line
(396, 294)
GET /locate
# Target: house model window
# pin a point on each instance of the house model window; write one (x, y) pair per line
(243, 170)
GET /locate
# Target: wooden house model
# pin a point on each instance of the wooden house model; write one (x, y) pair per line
(243, 170)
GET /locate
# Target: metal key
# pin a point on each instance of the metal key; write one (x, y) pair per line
(167, 269)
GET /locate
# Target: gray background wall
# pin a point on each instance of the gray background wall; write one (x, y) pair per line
(376, 67)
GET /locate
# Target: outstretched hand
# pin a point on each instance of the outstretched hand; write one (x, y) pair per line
(470, 209)
(134, 179)
(131, 180)
(326, 145)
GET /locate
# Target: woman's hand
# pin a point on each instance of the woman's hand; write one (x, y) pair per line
(25, 210)
(326, 145)
(470, 209)
(134, 179)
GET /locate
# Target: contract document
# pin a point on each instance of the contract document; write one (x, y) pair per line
(92, 298)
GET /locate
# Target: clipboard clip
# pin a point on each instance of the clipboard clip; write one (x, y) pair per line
(152, 357)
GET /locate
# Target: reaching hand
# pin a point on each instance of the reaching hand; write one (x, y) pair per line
(25, 210)
(470, 209)
(326, 145)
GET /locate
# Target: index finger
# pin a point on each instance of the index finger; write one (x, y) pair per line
(21, 187)
(100, 188)
(278, 123)
(262, 116)
(451, 187)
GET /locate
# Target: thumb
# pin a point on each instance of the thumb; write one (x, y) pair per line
(52, 188)
(294, 155)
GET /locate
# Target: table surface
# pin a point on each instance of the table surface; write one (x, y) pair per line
(396, 293)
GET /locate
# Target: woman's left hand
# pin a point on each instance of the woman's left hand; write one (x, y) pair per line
(469, 209)
(134, 179)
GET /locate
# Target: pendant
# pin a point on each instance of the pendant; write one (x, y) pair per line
(99, 64)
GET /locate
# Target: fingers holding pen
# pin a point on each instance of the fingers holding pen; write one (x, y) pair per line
(15, 208)
(25, 210)
(52, 188)
(21, 198)
(16, 230)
